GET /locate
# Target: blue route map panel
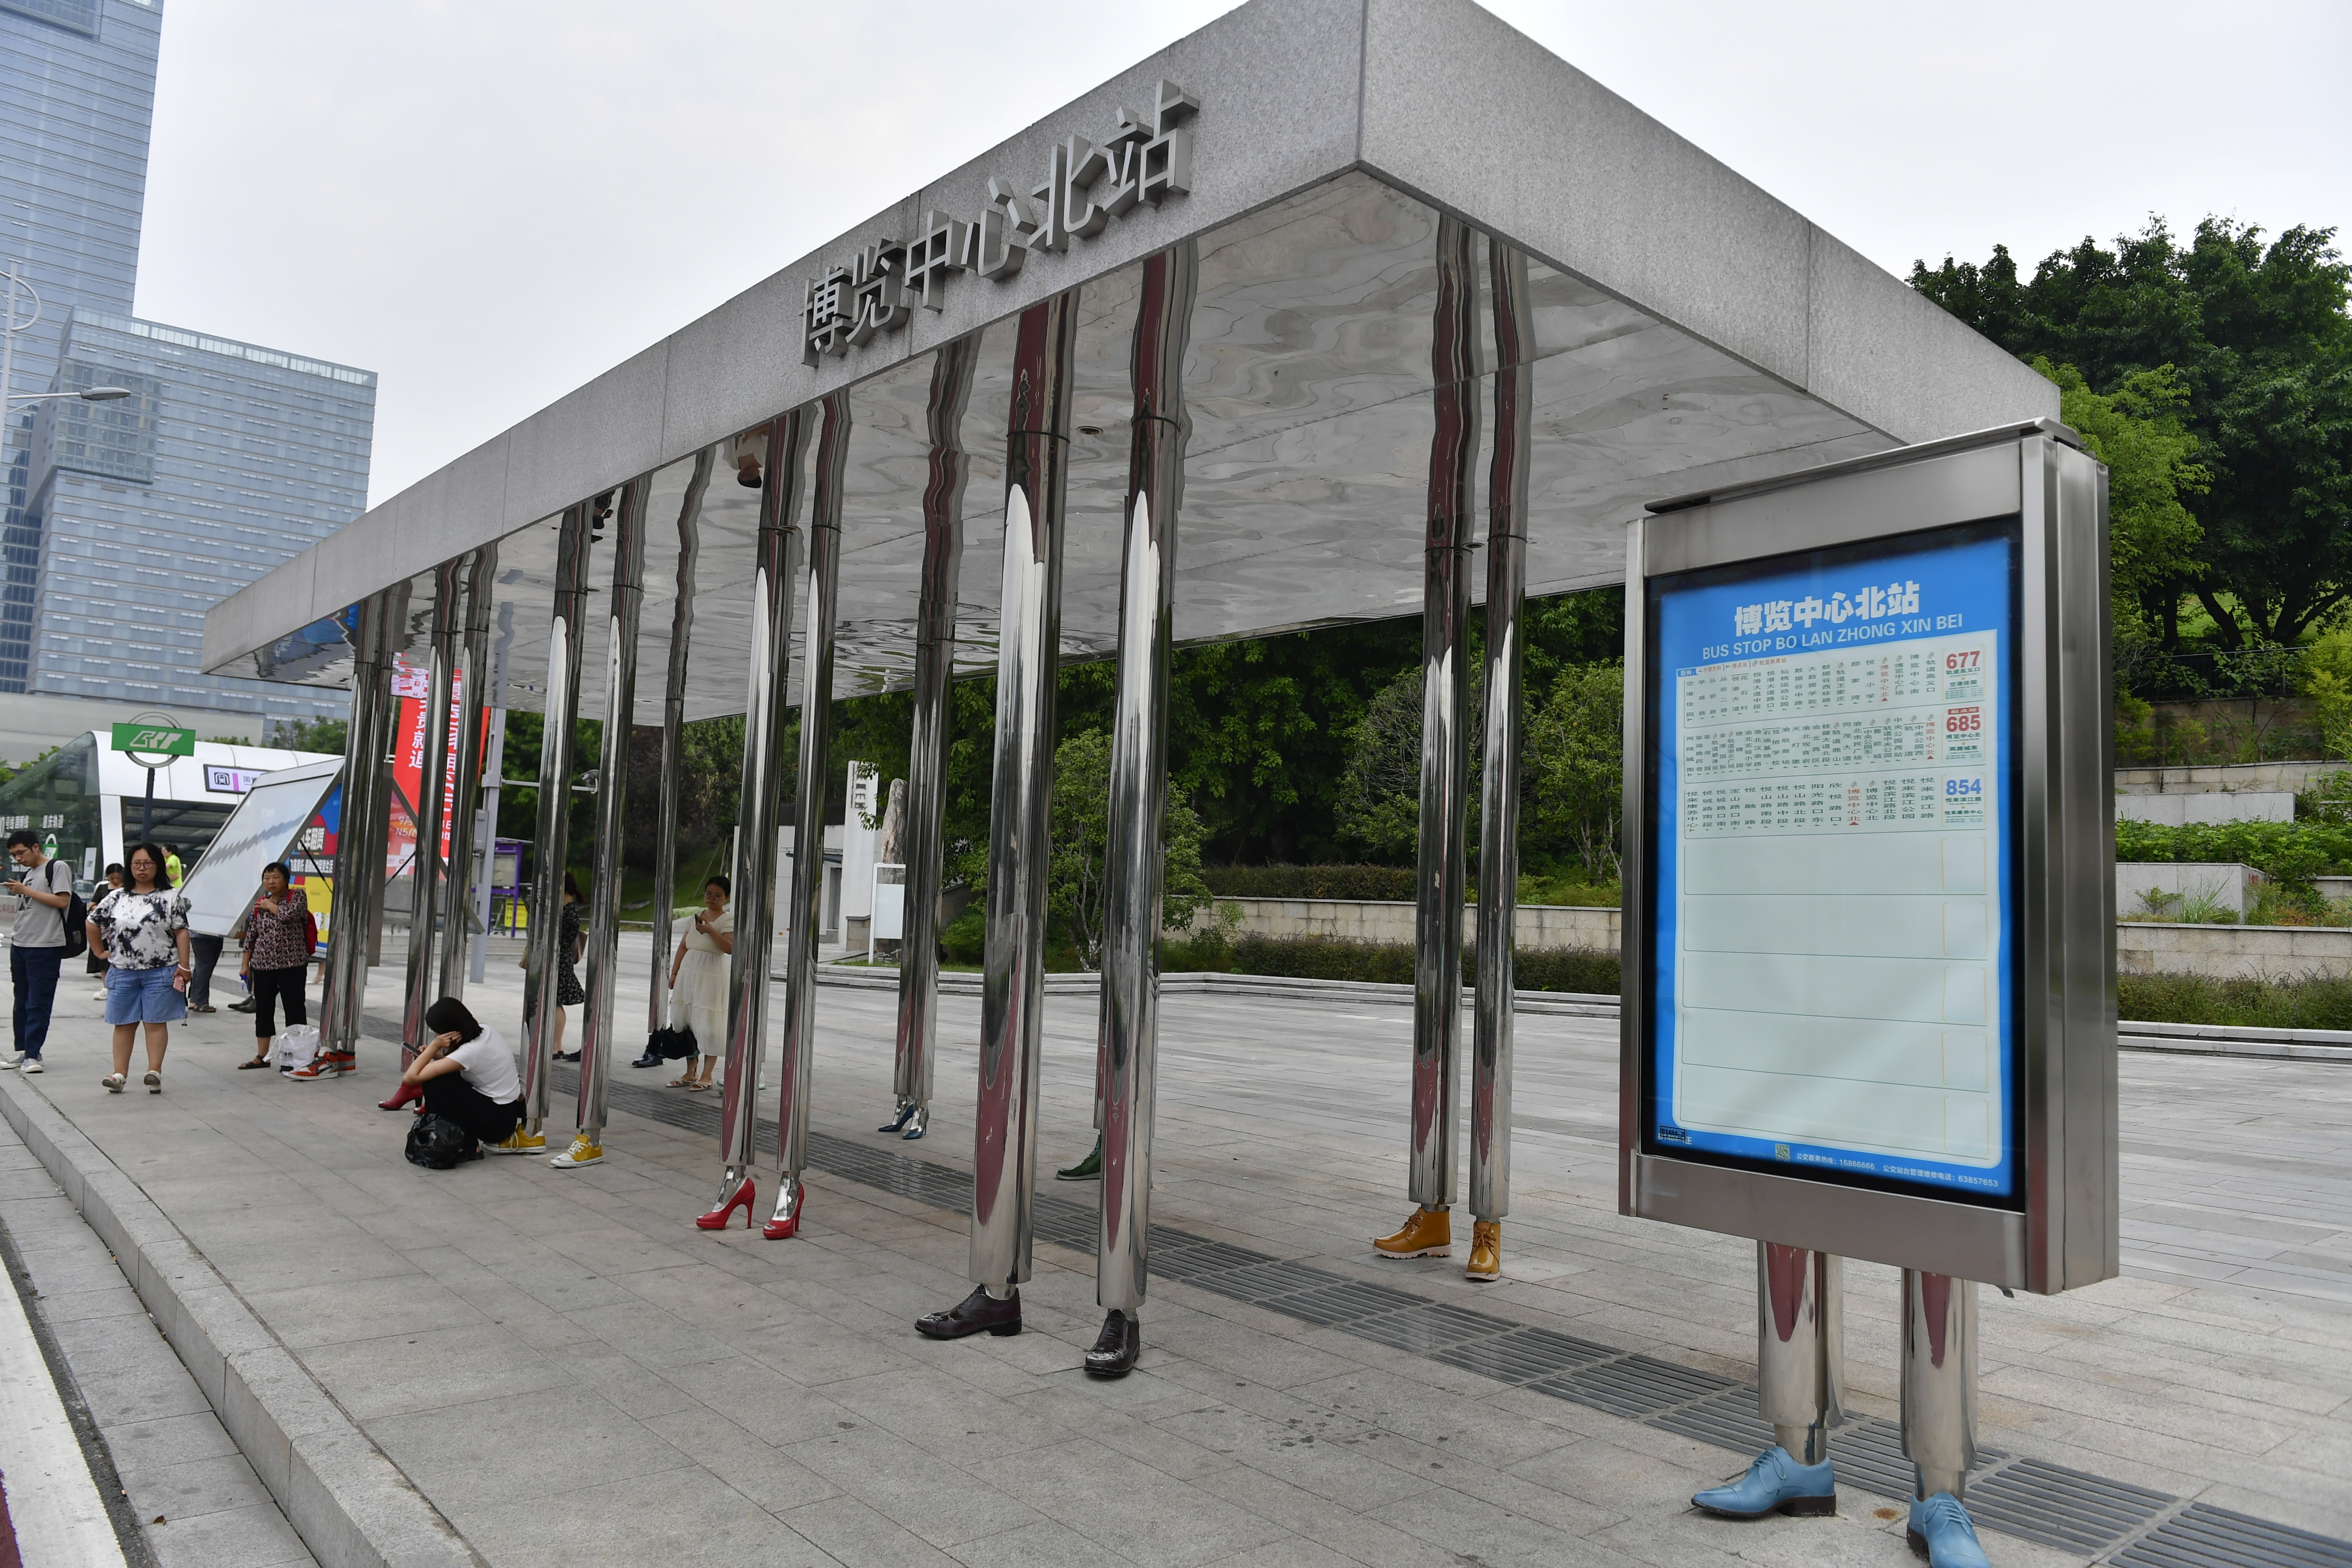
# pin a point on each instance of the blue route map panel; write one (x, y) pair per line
(1833, 957)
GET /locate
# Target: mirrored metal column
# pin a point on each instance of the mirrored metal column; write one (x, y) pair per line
(673, 758)
(464, 804)
(1004, 1153)
(552, 828)
(761, 808)
(1799, 1348)
(1134, 863)
(1498, 810)
(797, 1049)
(425, 902)
(927, 784)
(360, 826)
(623, 614)
(1445, 696)
(1939, 1381)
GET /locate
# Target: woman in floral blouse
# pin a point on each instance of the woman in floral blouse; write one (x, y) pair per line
(277, 955)
(143, 928)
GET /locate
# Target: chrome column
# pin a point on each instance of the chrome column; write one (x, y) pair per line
(464, 804)
(1939, 1381)
(927, 784)
(360, 825)
(1004, 1148)
(425, 903)
(1799, 1347)
(622, 615)
(1134, 864)
(1498, 805)
(681, 637)
(761, 806)
(1444, 694)
(553, 825)
(797, 1049)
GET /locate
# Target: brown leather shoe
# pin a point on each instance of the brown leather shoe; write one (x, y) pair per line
(1428, 1234)
(976, 1312)
(1485, 1251)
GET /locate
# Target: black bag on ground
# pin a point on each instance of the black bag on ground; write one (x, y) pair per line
(438, 1144)
(671, 1044)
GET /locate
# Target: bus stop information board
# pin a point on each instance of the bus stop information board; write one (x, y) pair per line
(1869, 1000)
(1832, 979)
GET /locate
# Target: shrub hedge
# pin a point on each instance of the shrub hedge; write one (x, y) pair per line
(2289, 851)
(2316, 1002)
(1371, 883)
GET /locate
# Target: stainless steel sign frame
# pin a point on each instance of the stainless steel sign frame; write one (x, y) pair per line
(2039, 1211)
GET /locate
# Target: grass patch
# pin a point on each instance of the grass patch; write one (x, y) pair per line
(2316, 1002)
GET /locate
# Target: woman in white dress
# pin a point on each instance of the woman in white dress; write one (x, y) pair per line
(697, 982)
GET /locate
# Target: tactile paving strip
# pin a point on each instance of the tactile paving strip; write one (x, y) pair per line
(2070, 1509)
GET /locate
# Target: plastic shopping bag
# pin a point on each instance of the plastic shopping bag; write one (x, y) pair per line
(296, 1044)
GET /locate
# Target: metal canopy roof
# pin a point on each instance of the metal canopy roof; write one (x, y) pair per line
(1693, 335)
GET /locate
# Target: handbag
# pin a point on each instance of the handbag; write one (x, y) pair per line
(672, 1043)
(77, 915)
(438, 1144)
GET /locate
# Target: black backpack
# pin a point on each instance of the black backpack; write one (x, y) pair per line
(77, 915)
(438, 1144)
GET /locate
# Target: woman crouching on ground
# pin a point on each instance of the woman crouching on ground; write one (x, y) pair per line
(468, 1074)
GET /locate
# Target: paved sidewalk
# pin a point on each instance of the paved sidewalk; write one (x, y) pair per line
(570, 1372)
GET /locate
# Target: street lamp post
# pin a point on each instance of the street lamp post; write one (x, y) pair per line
(10, 326)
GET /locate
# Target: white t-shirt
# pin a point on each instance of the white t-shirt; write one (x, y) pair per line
(488, 1067)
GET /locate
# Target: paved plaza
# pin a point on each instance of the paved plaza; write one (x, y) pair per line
(567, 1372)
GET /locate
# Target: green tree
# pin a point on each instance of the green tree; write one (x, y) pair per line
(2140, 435)
(1081, 829)
(327, 735)
(1575, 750)
(2260, 338)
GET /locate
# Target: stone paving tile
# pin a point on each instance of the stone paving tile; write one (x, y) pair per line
(604, 1368)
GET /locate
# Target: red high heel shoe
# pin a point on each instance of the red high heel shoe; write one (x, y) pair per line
(741, 1197)
(791, 1199)
(399, 1097)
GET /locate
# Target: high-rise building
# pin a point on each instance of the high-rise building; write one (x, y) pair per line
(225, 459)
(126, 520)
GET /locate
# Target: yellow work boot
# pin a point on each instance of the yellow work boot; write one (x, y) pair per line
(517, 1142)
(1486, 1249)
(1428, 1234)
(584, 1151)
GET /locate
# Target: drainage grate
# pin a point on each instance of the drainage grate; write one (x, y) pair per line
(2058, 1506)
(2203, 1536)
(2037, 1502)
(1728, 1421)
(1523, 1356)
(1634, 1386)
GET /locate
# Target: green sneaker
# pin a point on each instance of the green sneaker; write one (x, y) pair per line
(1086, 1170)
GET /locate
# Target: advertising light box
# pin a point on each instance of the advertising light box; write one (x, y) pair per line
(1869, 863)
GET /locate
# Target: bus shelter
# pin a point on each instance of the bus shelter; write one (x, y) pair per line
(1330, 311)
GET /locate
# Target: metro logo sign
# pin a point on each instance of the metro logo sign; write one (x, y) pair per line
(154, 739)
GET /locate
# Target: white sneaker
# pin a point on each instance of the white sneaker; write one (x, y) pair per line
(33, 1065)
(99, 994)
(16, 1061)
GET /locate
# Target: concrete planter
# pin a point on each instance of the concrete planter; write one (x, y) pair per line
(2227, 883)
(2233, 952)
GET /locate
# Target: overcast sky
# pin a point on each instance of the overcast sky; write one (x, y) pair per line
(491, 201)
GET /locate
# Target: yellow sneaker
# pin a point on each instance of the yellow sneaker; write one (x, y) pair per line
(1428, 1234)
(519, 1141)
(581, 1153)
(1485, 1251)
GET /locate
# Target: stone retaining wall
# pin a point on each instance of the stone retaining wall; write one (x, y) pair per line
(2230, 953)
(1540, 926)
(2292, 777)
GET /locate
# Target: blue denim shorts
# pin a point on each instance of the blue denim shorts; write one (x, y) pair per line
(144, 996)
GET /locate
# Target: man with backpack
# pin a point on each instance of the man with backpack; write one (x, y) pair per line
(47, 928)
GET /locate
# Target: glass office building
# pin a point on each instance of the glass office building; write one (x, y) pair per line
(126, 521)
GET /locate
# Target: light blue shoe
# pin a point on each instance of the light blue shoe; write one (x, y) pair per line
(1774, 1483)
(1941, 1533)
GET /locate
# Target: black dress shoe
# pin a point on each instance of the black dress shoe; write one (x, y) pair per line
(975, 1312)
(1116, 1347)
(650, 1060)
(566, 1055)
